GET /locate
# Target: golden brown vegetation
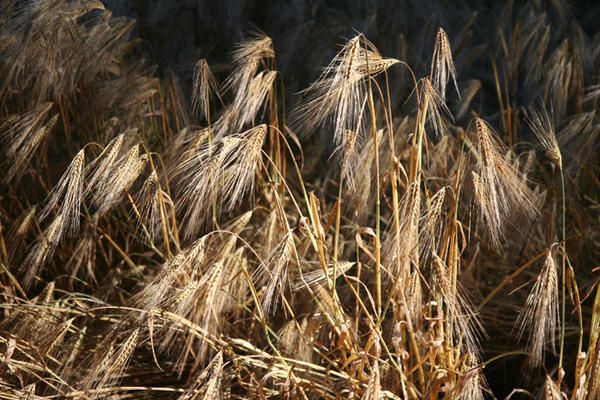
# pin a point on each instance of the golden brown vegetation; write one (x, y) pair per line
(160, 245)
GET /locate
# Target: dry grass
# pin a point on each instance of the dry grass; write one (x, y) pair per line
(156, 243)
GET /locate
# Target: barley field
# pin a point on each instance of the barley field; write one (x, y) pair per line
(299, 200)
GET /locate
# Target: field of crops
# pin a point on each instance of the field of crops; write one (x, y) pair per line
(373, 200)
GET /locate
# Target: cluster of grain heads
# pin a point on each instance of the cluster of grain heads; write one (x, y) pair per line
(248, 83)
(110, 365)
(442, 65)
(433, 107)
(274, 275)
(65, 198)
(217, 175)
(205, 85)
(59, 51)
(23, 134)
(246, 62)
(123, 173)
(539, 316)
(148, 257)
(41, 251)
(543, 128)
(402, 254)
(20, 230)
(107, 181)
(200, 285)
(98, 172)
(432, 224)
(340, 93)
(462, 319)
(500, 192)
(154, 210)
(207, 385)
(473, 385)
